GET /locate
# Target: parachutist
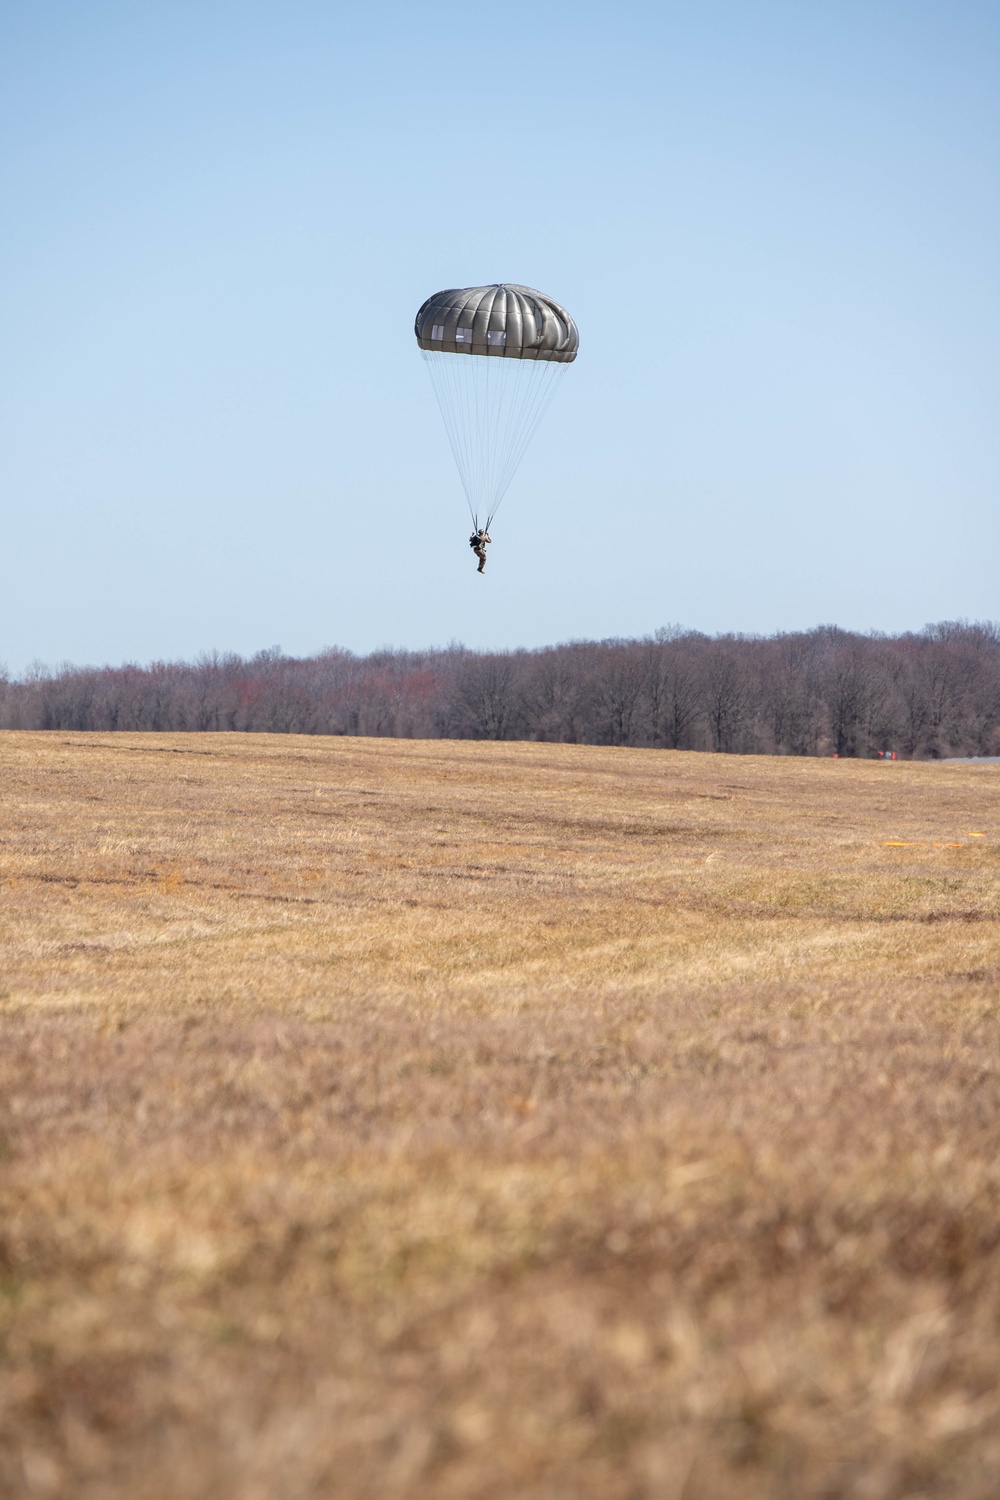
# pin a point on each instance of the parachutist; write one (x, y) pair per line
(494, 355)
(478, 541)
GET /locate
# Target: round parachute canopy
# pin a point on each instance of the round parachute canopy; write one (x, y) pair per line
(513, 322)
(492, 405)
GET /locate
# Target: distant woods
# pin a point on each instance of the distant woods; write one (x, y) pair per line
(825, 691)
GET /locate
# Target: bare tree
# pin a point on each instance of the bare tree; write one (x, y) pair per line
(673, 690)
(554, 696)
(618, 688)
(849, 694)
(485, 701)
(726, 694)
(928, 694)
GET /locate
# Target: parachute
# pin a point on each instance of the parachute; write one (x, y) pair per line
(495, 355)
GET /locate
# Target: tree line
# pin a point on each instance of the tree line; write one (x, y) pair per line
(825, 691)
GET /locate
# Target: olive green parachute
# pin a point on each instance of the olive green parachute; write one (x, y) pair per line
(512, 322)
(520, 342)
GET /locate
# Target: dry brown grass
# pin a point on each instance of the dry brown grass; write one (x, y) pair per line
(445, 1120)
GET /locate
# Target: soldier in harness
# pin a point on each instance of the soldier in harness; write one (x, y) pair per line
(478, 542)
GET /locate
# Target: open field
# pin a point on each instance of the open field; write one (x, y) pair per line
(431, 1119)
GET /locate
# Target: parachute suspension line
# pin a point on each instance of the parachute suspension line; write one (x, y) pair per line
(449, 393)
(460, 429)
(491, 406)
(523, 419)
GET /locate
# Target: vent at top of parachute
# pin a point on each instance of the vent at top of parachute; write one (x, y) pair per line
(513, 322)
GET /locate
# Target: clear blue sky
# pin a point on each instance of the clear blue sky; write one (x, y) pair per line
(775, 223)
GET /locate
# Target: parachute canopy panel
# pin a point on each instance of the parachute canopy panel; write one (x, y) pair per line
(501, 321)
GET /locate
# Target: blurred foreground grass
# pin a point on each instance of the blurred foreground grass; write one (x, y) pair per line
(386, 1118)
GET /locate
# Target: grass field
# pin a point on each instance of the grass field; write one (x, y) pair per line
(434, 1119)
